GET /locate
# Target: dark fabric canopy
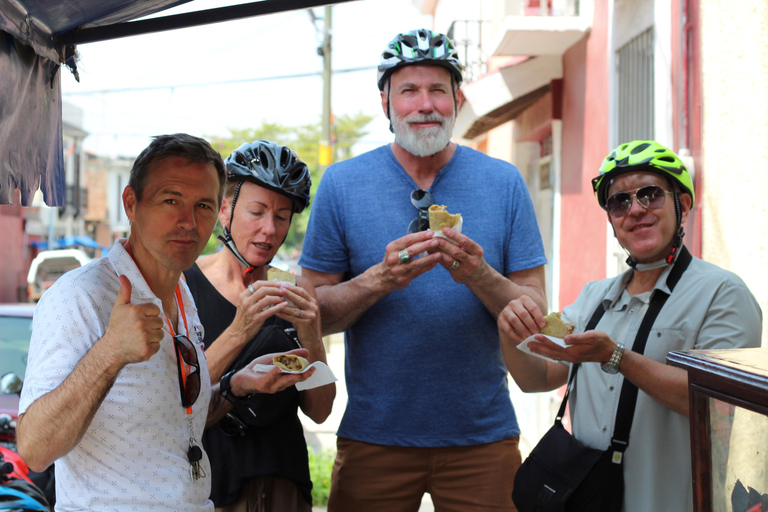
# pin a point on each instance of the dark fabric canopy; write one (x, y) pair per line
(36, 38)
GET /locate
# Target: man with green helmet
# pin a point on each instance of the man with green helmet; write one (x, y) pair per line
(429, 409)
(648, 194)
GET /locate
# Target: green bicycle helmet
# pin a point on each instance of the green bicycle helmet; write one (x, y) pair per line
(648, 156)
(420, 46)
(641, 155)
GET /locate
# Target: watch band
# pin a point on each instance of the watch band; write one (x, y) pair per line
(612, 366)
(225, 390)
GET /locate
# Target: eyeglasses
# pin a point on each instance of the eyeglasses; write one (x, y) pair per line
(189, 381)
(421, 200)
(650, 197)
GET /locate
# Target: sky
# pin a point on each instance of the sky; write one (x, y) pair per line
(210, 79)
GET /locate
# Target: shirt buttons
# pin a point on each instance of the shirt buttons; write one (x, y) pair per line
(605, 428)
(631, 311)
(610, 388)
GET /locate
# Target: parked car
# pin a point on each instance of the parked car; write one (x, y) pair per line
(48, 266)
(15, 332)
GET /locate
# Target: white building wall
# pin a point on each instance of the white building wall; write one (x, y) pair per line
(734, 57)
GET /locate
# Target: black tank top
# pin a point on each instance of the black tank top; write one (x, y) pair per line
(279, 450)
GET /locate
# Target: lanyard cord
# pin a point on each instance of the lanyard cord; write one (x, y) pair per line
(180, 302)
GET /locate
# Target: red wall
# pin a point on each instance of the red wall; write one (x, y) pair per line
(13, 262)
(585, 144)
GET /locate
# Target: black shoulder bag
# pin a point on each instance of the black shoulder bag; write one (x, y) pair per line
(261, 409)
(563, 475)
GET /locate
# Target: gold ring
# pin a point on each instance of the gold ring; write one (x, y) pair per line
(454, 266)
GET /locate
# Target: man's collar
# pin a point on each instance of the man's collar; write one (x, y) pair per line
(619, 285)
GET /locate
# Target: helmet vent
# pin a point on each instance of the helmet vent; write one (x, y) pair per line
(639, 148)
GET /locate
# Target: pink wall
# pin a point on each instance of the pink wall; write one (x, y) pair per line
(585, 144)
(14, 265)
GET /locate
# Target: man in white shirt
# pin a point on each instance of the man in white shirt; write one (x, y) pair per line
(117, 390)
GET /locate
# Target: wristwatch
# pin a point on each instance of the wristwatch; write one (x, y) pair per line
(225, 390)
(612, 366)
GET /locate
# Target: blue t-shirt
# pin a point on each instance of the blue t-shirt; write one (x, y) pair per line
(423, 365)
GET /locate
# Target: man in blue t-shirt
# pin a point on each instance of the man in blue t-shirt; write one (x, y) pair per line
(429, 407)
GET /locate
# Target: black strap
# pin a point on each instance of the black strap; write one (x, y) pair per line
(596, 316)
(628, 398)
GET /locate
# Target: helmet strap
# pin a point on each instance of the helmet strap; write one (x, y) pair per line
(389, 115)
(227, 239)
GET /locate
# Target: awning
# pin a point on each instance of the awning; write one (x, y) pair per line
(501, 96)
(37, 37)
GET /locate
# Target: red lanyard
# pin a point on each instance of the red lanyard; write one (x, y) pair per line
(179, 300)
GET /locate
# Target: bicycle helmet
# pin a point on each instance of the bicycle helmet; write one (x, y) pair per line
(641, 155)
(646, 156)
(271, 166)
(18, 495)
(420, 46)
(274, 167)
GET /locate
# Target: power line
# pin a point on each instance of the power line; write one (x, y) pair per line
(208, 84)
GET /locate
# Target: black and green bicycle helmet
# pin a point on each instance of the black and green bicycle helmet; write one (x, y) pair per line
(420, 46)
(646, 156)
(423, 47)
(641, 155)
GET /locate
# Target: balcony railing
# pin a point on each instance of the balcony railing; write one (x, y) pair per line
(471, 37)
(548, 8)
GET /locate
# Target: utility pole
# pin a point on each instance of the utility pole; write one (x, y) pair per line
(326, 143)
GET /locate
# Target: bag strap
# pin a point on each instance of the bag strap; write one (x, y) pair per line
(596, 316)
(628, 398)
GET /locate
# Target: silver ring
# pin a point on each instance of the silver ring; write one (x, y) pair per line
(404, 256)
(454, 266)
(302, 313)
(250, 288)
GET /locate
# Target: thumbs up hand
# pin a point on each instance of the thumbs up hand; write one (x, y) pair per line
(135, 330)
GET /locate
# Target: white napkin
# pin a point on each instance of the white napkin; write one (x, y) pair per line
(524, 347)
(457, 228)
(322, 376)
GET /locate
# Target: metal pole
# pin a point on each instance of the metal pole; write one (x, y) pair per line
(326, 152)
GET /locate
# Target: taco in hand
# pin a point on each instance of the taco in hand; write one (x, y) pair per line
(556, 327)
(290, 362)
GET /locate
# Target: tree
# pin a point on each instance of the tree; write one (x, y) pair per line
(304, 140)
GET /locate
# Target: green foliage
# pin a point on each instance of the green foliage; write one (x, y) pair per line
(320, 468)
(213, 243)
(305, 141)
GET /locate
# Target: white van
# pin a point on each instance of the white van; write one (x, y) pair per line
(48, 266)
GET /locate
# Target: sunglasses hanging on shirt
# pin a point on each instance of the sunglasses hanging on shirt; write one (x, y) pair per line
(421, 200)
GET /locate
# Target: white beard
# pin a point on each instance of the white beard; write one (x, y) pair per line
(423, 141)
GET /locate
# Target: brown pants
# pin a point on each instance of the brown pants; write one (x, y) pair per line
(375, 478)
(269, 494)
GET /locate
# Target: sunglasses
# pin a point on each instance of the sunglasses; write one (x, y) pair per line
(189, 382)
(650, 197)
(421, 200)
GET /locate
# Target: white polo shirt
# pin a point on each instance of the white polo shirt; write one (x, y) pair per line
(710, 308)
(134, 454)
